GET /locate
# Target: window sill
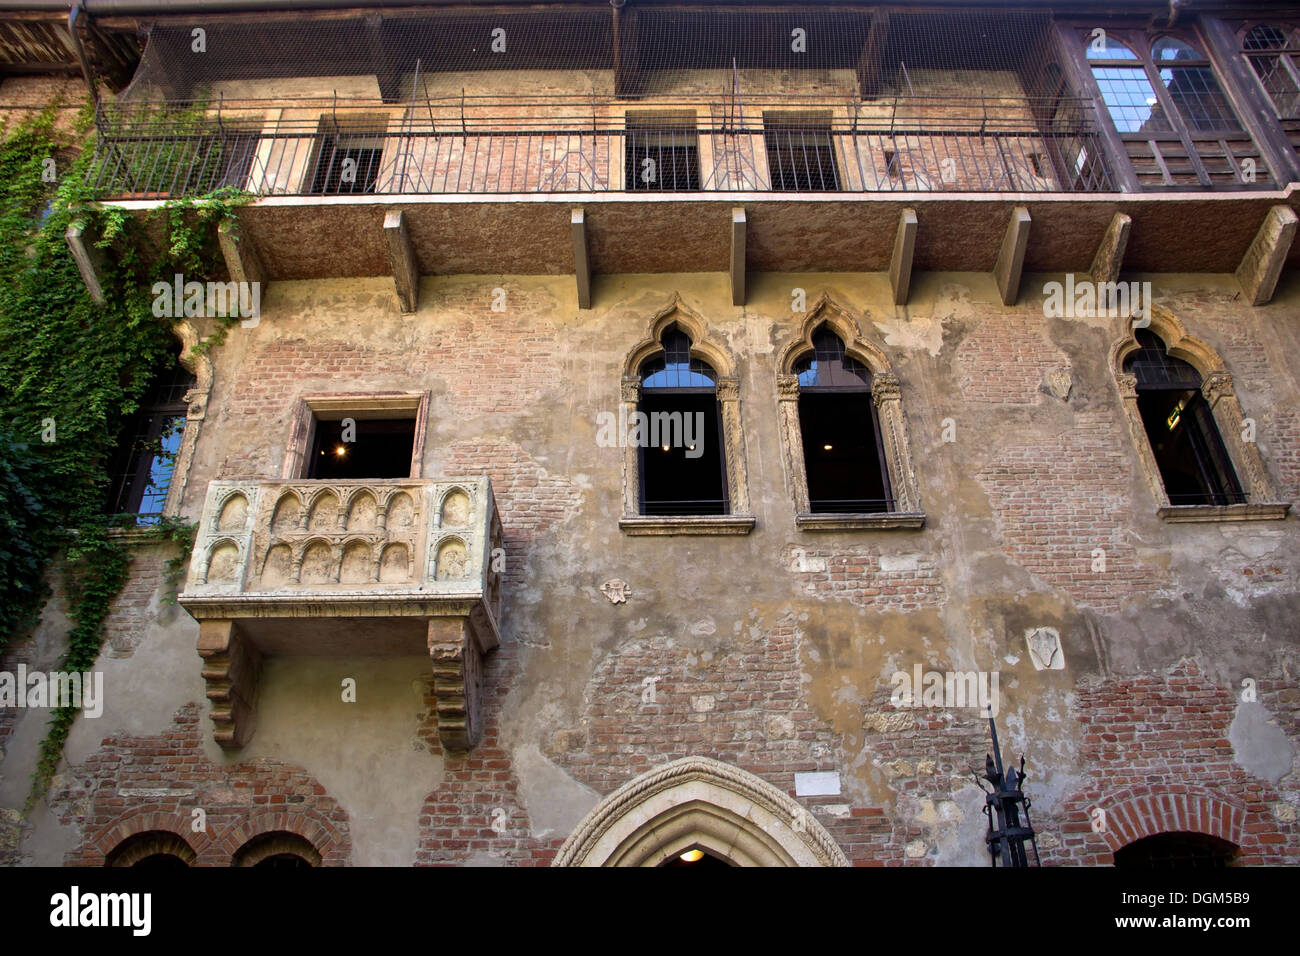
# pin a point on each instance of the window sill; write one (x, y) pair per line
(1263, 511)
(882, 521)
(640, 525)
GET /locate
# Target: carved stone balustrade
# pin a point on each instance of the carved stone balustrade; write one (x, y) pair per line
(346, 568)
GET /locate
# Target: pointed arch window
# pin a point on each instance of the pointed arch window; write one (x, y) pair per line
(1196, 447)
(843, 434)
(683, 465)
(1189, 451)
(844, 456)
(679, 425)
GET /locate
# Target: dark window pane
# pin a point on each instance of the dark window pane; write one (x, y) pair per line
(665, 159)
(345, 168)
(1196, 93)
(682, 475)
(801, 159)
(1187, 447)
(841, 454)
(379, 448)
(141, 468)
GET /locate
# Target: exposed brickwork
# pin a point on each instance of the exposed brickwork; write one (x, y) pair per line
(240, 801)
(133, 607)
(1161, 759)
(476, 814)
(1003, 361)
(868, 578)
(530, 499)
(1283, 437)
(1059, 498)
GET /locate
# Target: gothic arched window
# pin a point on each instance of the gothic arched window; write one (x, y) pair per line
(1189, 451)
(679, 433)
(844, 457)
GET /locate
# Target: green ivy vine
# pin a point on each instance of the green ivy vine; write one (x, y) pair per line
(71, 373)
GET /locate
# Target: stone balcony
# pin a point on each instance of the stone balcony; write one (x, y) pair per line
(346, 568)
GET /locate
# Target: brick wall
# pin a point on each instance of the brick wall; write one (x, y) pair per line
(120, 791)
(1160, 760)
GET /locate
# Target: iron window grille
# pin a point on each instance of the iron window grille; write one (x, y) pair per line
(800, 154)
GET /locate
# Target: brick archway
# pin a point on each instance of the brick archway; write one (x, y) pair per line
(333, 847)
(1149, 811)
(136, 822)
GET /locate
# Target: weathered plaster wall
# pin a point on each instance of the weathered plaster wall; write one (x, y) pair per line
(772, 651)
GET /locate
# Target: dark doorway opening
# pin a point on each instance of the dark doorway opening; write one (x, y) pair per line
(1165, 851)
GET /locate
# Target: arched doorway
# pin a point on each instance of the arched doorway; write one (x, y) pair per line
(696, 805)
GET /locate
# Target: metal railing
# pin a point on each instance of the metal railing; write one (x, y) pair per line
(940, 145)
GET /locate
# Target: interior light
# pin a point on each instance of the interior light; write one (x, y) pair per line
(692, 856)
(827, 447)
(665, 447)
(340, 451)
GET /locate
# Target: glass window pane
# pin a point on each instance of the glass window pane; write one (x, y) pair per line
(1167, 48)
(1131, 100)
(1107, 49)
(1196, 93)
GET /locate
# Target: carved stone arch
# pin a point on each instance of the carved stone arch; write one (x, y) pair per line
(196, 400)
(707, 348)
(1263, 501)
(704, 803)
(1178, 341)
(886, 393)
(844, 324)
(703, 346)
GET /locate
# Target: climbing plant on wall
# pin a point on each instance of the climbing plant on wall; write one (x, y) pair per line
(71, 372)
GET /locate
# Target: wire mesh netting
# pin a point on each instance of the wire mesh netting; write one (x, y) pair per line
(573, 100)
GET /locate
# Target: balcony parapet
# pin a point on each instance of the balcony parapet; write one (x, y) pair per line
(349, 567)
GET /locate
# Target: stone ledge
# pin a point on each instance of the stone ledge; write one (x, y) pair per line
(883, 521)
(1262, 511)
(687, 524)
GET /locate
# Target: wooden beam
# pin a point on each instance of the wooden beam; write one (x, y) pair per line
(1109, 260)
(871, 62)
(581, 265)
(1011, 257)
(242, 261)
(738, 255)
(406, 272)
(1262, 264)
(900, 266)
(89, 258)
